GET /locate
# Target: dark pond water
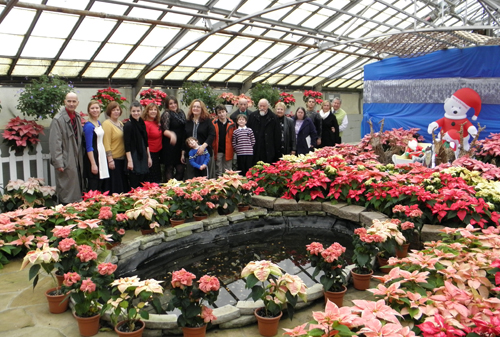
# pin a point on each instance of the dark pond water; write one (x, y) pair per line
(226, 258)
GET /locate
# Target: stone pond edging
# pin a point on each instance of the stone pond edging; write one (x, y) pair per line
(241, 314)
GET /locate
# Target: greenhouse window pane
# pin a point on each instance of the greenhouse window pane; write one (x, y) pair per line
(195, 59)
(239, 62)
(17, 22)
(177, 18)
(128, 71)
(315, 21)
(128, 33)
(79, 50)
(177, 75)
(314, 81)
(275, 79)
(80, 4)
(319, 70)
(27, 67)
(235, 46)
(157, 73)
(144, 54)
(93, 29)
(171, 61)
(109, 8)
(254, 6)
(99, 70)
(10, 44)
(112, 52)
(42, 47)
(145, 13)
(274, 34)
(202, 74)
(5, 65)
(302, 80)
(304, 70)
(218, 60)
(257, 48)
(257, 64)
(67, 68)
(212, 43)
(54, 25)
(291, 68)
(298, 15)
(277, 15)
(287, 80)
(160, 36)
(240, 78)
(221, 76)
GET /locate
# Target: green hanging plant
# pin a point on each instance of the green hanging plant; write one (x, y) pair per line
(43, 97)
(201, 91)
(267, 91)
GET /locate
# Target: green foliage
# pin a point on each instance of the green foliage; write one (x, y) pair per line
(43, 97)
(201, 91)
(267, 91)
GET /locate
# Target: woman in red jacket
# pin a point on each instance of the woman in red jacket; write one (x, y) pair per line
(151, 117)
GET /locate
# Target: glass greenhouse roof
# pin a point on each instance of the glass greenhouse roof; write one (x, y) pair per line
(301, 43)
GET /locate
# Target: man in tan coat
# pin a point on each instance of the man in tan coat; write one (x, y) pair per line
(66, 151)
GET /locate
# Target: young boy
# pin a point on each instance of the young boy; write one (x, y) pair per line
(222, 145)
(243, 142)
(198, 162)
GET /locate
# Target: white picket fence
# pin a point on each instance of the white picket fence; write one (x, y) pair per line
(35, 165)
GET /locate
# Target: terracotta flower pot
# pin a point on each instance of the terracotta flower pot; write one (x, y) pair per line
(177, 222)
(402, 252)
(57, 303)
(336, 297)
(268, 326)
(382, 262)
(361, 281)
(136, 333)
(88, 326)
(59, 278)
(194, 332)
(147, 231)
(199, 217)
(243, 208)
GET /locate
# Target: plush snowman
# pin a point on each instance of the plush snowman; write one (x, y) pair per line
(456, 108)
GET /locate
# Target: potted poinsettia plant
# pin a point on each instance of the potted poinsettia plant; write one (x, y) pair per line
(30, 193)
(275, 290)
(45, 258)
(331, 261)
(189, 296)
(365, 249)
(129, 298)
(151, 95)
(146, 212)
(227, 98)
(287, 98)
(314, 94)
(88, 287)
(108, 95)
(21, 133)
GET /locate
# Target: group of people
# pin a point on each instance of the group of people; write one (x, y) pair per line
(115, 157)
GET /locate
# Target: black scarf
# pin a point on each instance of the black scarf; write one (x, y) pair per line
(138, 132)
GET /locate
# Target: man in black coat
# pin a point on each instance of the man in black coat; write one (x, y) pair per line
(241, 110)
(266, 129)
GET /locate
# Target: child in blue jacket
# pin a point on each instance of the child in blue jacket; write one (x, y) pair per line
(198, 161)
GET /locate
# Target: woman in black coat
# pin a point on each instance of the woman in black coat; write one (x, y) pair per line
(330, 126)
(173, 124)
(305, 132)
(199, 126)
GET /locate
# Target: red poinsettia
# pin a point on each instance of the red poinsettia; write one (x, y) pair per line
(286, 98)
(151, 95)
(21, 133)
(108, 95)
(314, 94)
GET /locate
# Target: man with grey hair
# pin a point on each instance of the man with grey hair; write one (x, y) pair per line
(341, 116)
(242, 110)
(66, 151)
(267, 132)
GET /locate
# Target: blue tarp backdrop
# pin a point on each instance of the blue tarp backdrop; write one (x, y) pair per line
(410, 92)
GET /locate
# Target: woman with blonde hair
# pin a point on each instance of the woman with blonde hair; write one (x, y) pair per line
(199, 126)
(115, 148)
(287, 131)
(151, 117)
(95, 163)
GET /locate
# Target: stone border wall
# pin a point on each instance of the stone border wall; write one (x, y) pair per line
(230, 316)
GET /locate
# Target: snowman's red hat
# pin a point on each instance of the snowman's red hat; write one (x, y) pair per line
(471, 99)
